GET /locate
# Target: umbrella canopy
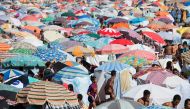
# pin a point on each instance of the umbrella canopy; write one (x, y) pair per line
(29, 18)
(131, 33)
(68, 44)
(134, 61)
(113, 49)
(23, 60)
(50, 54)
(52, 27)
(34, 29)
(4, 47)
(80, 51)
(140, 47)
(155, 37)
(121, 25)
(141, 54)
(82, 38)
(109, 32)
(157, 107)
(94, 35)
(50, 36)
(70, 73)
(11, 73)
(116, 20)
(120, 104)
(115, 65)
(4, 55)
(122, 42)
(22, 51)
(100, 42)
(165, 94)
(43, 92)
(23, 45)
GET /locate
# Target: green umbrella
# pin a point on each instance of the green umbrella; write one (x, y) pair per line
(94, 35)
(22, 51)
(49, 19)
(134, 61)
(69, 13)
(23, 61)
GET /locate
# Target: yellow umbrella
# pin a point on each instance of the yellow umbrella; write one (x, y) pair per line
(80, 51)
(183, 30)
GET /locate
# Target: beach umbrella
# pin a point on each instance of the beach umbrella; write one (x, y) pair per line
(109, 32)
(80, 51)
(124, 42)
(90, 20)
(44, 93)
(156, 107)
(48, 19)
(4, 55)
(22, 51)
(11, 73)
(113, 49)
(121, 25)
(116, 20)
(131, 33)
(133, 61)
(29, 18)
(165, 20)
(155, 37)
(82, 38)
(140, 53)
(120, 104)
(186, 35)
(22, 45)
(115, 65)
(69, 13)
(75, 64)
(33, 23)
(140, 47)
(4, 18)
(50, 36)
(52, 27)
(68, 44)
(70, 73)
(77, 31)
(23, 61)
(8, 93)
(32, 28)
(4, 47)
(33, 41)
(165, 94)
(92, 29)
(94, 35)
(99, 43)
(137, 20)
(50, 54)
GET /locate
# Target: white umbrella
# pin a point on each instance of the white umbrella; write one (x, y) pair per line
(159, 95)
(52, 36)
(52, 27)
(163, 63)
(140, 47)
(120, 104)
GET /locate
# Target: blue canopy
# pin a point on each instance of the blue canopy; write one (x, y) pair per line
(187, 4)
(70, 73)
(11, 73)
(82, 38)
(137, 20)
(157, 107)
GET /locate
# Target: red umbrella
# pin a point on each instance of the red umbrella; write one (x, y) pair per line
(140, 53)
(155, 37)
(29, 18)
(113, 49)
(122, 42)
(109, 32)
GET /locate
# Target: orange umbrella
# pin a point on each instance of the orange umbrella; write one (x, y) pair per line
(120, 25)
(162, 13)
(80, 51)
(33, 29)
(4, 47)
(29, 18)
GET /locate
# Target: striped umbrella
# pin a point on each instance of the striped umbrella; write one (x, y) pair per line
(109, 32)
(4, 47)
(43, 92)
(4, 55)
(11, 73)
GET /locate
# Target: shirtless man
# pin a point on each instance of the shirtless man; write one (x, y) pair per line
(174, 103)
(168, 51)
(145, 100)
(109, 86)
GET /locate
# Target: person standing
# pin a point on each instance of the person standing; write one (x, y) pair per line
(92, 92)
(168, 51)
(145, 100)
(187, 104)
(48, 73)
(109, 90)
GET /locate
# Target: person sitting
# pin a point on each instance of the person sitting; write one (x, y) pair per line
(145, 100)
(187, 104)
(176, 100)
(109, 90)
(70, 88)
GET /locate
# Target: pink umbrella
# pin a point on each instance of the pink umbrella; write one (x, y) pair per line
(122, 42)
(155, 37)
(113, 49)
(141, 54)
(109, 32)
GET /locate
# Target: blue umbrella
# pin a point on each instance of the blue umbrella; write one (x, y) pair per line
(93, 21)
(157, 107)
(187, 4)
(92, 29)
(70, 73)
(137, 20)
(49, 54)
(11, 73)
(82, 38)
(115, 65)
(100, 42)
